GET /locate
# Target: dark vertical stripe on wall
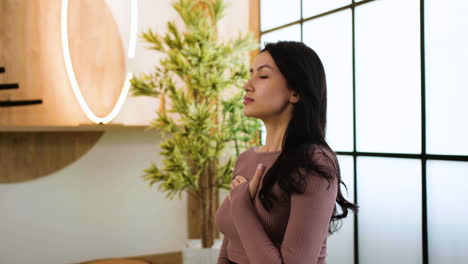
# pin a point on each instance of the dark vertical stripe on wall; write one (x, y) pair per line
(425, 247)
(356, 226)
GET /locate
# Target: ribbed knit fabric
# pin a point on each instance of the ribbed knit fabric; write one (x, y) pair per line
(294, 232)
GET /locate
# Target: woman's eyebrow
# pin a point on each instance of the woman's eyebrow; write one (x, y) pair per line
(261, 67)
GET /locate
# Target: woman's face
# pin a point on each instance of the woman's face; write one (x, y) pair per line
(268, 90)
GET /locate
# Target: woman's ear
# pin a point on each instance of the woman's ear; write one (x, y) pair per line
(294, 98)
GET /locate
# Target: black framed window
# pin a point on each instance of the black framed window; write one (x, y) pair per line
(397, 118)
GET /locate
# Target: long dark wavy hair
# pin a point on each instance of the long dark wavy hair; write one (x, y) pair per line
(305, 135)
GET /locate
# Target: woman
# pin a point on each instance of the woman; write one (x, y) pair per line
(285, 214)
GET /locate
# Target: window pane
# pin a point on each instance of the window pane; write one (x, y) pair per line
(312, 8)
(263, 134)
(390, 210)
(446, 83)
(274, 13)
(338, 63)
(388, 85)
(288, 33)
(340, 246)
(447, 188)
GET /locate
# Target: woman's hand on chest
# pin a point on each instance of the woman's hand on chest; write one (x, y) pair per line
(253, 184)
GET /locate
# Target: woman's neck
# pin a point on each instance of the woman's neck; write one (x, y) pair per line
(275, 131)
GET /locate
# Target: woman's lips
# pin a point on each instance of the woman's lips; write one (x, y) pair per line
(247, 100)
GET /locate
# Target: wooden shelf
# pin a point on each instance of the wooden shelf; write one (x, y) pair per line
(30, 152)
(78, 128)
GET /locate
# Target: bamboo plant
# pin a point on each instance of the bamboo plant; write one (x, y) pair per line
(199, 85)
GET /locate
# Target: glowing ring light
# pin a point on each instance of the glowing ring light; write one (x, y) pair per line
(71, 73)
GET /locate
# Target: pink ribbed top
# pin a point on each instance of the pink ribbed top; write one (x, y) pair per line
(294, 232)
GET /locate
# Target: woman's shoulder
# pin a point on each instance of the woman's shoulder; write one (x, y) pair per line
(321, 174)
(318, 151)
(323, 156)
(245, 154)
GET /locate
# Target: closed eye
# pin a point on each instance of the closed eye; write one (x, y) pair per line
(263, 77)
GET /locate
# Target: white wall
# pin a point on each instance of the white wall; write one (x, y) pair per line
(99, 206)
(96, 207)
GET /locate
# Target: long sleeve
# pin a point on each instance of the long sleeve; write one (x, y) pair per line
(306, 230)
(223, 258)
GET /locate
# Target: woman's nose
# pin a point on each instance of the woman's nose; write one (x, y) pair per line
(247, 86)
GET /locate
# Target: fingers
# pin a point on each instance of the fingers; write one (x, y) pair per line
(240, 179)
(258, 173)
(236, 182)
(259, 170)
(255, 181)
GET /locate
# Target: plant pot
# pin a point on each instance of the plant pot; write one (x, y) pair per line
(193, 253)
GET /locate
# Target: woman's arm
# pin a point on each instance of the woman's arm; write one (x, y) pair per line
(223, 258)
(306, 230)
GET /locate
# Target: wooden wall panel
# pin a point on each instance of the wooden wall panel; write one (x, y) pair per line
(254, 24)
(29, 155)
(31, 52)
(97, 53)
